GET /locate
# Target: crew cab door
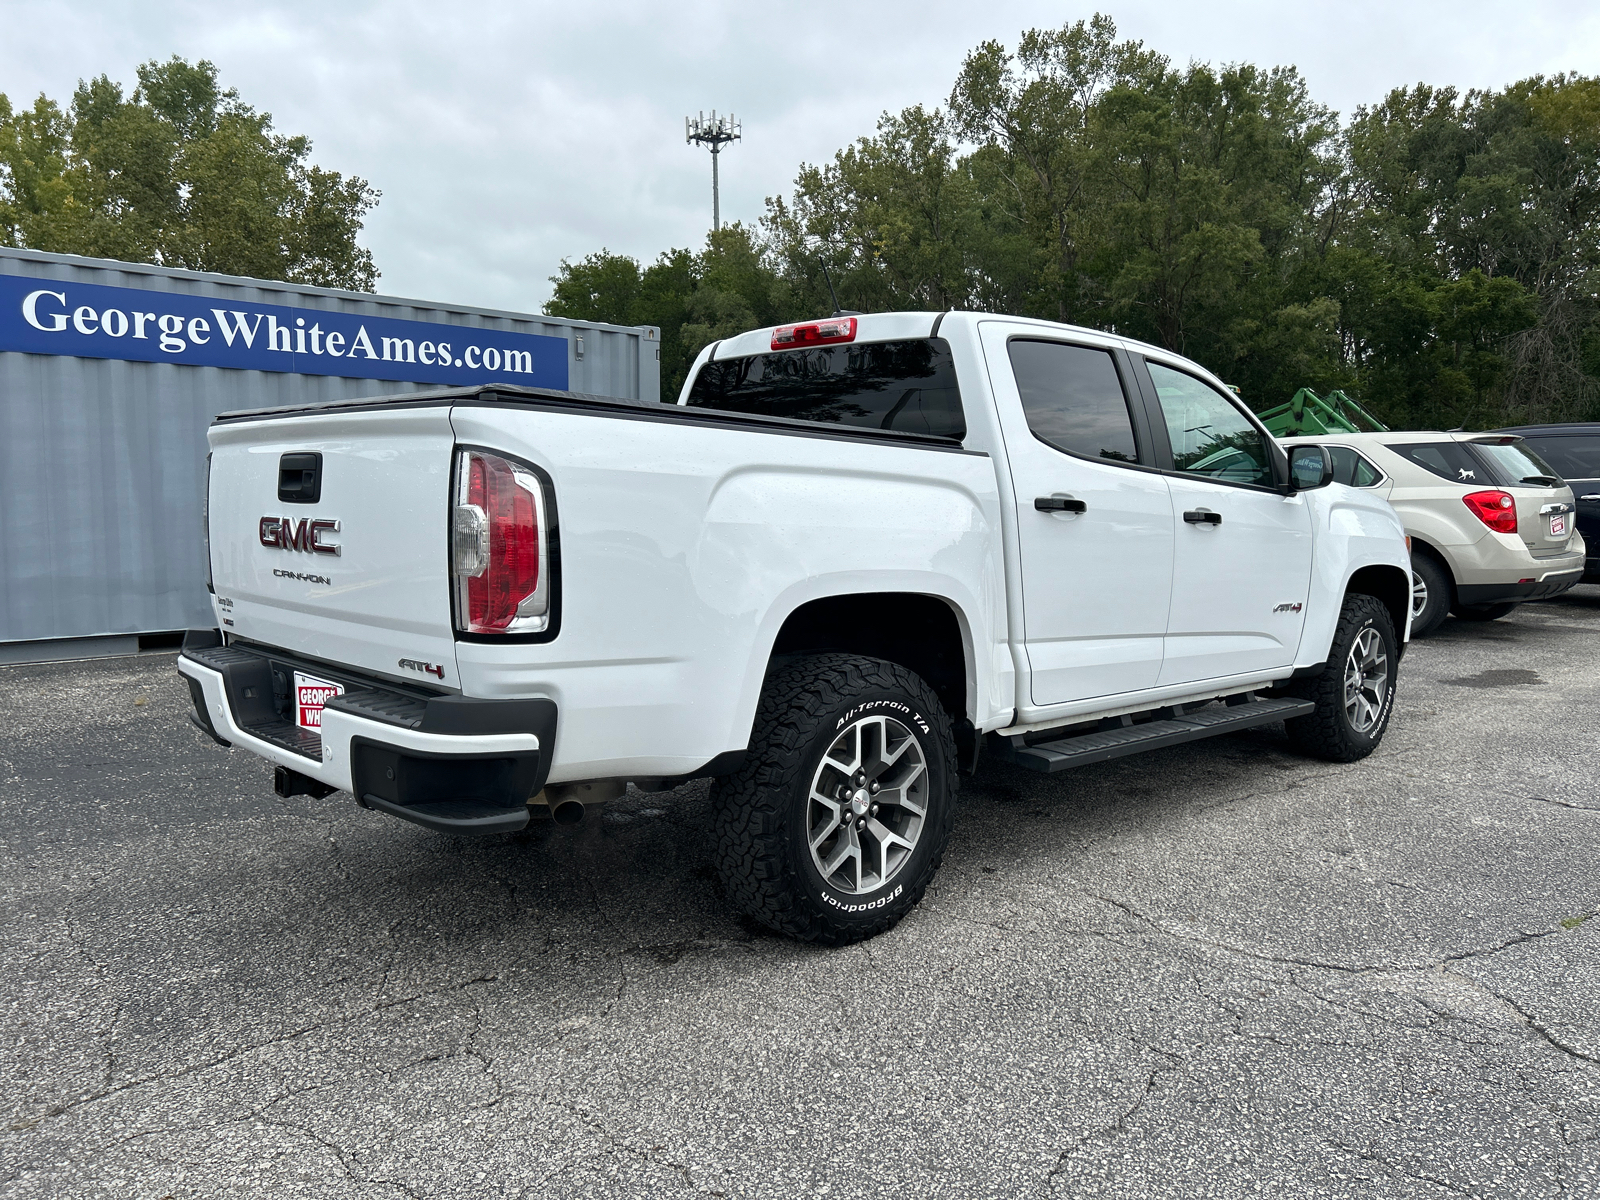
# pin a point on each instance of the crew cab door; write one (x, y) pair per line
(1241, 573)
(1094, 526)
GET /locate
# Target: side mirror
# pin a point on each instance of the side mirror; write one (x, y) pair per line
(1310, 467)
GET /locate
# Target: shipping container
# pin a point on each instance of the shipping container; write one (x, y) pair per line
(110, 373)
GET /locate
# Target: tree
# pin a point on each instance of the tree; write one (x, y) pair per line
(695, 299)
(1439, 258)
(180, 173)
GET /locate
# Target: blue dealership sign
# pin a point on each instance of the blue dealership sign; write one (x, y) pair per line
(53, 316)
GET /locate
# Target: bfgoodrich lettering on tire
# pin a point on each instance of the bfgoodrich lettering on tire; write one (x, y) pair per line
(840, 815)
(1354, 695)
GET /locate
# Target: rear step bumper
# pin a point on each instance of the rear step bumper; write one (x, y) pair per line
(1119, 741)
(448, 763)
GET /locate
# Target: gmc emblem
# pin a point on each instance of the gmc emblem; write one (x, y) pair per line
(284, 533)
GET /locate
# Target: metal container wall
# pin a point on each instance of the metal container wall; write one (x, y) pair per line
(102, 460)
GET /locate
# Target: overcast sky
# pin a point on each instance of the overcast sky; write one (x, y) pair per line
(505, 137)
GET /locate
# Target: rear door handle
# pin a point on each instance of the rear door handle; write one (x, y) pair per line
(1203, 516)
(1060, 504)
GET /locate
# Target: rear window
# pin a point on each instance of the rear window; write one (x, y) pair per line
(1572, 457)
(1517, 463)
(1447, 460)
(1073, 399)
(908, 387)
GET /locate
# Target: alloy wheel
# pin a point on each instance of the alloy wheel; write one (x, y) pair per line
(1366, 681)
(867, 805)
(1419, 595)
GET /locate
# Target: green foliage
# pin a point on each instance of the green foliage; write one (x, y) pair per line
(1438, 257)
(180, 173)
(730, 286)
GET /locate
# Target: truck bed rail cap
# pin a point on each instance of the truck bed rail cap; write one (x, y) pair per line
(433, 396)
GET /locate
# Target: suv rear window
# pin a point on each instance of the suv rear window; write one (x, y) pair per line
(1447, 460)
(907, 386)
(1575, 457)
(1517, 462)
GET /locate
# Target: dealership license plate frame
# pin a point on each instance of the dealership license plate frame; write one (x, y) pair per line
(308, 704)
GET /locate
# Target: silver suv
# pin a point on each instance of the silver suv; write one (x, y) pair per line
(1490, 522)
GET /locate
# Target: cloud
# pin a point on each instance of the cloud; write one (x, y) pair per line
(505, 137)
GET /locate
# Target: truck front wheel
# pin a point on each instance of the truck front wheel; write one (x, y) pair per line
(1354, 694)
(841, 813)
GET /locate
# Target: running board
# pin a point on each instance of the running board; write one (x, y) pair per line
(1121, 741)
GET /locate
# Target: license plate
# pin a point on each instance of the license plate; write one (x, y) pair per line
(310, 694)
(1558, 526)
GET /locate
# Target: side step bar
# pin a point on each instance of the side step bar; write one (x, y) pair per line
(1120, 741)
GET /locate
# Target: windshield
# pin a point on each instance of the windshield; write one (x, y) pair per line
(1517, 463)
(908, 386)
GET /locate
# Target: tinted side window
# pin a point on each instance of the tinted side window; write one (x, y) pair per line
(1349, 467)
(1073, 399)
(1447, 460)
(907, 386)
(1209, 435)
(1574, 457)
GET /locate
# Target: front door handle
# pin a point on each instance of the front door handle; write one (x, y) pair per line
(1203, 516)
(1060, 504)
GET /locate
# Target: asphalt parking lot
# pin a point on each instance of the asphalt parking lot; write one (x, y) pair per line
(1210, 971)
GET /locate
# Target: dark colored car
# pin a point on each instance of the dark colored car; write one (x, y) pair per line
(1574, 450)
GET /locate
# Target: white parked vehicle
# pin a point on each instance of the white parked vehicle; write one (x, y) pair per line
(854, 554)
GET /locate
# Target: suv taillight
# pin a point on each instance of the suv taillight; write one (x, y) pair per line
(499, 541)
(1497, 510)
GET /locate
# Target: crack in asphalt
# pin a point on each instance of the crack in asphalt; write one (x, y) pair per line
(1322, 964)
(1438, 968)
(281, 1039)
(1566, 804)
(1119, 1125)
(1397, 1168)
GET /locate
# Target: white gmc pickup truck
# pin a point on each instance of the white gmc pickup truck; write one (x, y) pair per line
(854, 554)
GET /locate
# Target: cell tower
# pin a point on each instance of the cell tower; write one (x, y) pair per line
(715, 132)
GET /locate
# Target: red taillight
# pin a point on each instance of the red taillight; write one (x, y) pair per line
(498, 537)
(1497, 510)
(814, 333)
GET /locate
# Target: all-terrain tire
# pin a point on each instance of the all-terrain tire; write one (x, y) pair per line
(1441, 592)
(1483, 612)
(1329, 732)
(763, 853)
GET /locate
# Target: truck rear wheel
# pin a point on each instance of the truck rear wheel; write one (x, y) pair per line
(1354, 694)
(840, 815)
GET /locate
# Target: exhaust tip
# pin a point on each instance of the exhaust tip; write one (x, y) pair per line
(568, 812)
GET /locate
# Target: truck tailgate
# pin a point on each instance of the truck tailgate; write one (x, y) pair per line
(357, 575)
